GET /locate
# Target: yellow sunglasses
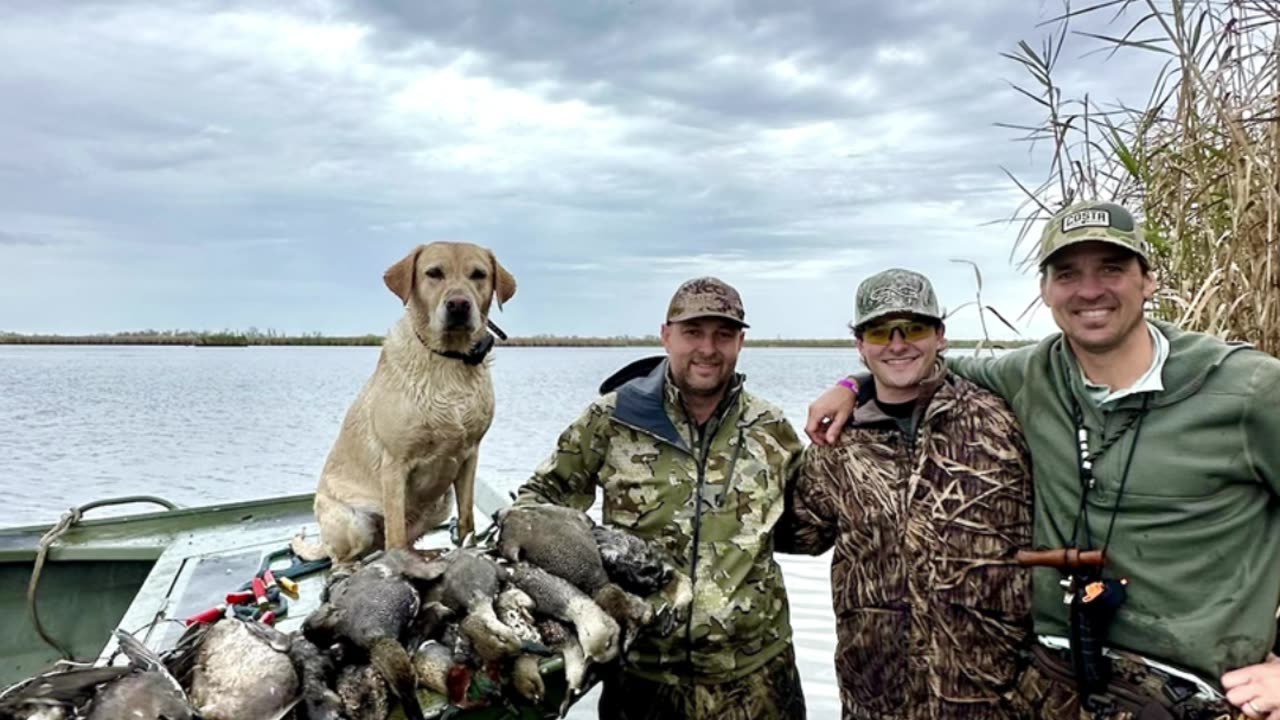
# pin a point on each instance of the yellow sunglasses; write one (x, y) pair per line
(912, 331)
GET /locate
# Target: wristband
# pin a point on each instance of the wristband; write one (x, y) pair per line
(848, 383)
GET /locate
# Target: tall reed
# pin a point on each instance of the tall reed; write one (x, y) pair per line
(1197, 161)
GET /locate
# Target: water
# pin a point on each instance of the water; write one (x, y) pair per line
(196, 426)
(199, 425)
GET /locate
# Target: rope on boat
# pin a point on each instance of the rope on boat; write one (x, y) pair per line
(70, 519)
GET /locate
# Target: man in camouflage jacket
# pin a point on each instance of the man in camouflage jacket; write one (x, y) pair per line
(688, 460)
(926, 497)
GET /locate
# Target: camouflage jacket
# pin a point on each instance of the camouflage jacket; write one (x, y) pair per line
(638, 446)
(932, 614)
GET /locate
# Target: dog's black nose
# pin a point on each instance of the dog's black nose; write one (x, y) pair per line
(457, 306)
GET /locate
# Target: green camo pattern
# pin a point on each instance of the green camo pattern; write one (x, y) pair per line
(740, 617)
(773, 692)
(1093, 222)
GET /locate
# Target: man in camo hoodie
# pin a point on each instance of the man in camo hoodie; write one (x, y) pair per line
(688, 460)
(926, 498)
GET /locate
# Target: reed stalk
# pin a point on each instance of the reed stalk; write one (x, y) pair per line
(1197, 162)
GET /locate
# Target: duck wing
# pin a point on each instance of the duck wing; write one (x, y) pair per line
(314, 670)
(631, 562)
(147, 660)
(66, 688)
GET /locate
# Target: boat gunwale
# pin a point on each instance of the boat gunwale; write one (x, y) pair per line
(180, 511)
(85, 540)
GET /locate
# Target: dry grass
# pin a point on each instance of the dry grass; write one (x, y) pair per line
(1198, 161)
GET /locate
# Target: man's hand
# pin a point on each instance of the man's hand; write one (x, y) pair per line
(828, 415)
(1255, 689)
(672, 604)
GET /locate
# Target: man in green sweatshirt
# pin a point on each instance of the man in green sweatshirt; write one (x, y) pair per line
(1160, 448)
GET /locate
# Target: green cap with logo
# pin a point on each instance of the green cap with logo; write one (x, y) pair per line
(1093, 222)
(706, 297)
(895, 291)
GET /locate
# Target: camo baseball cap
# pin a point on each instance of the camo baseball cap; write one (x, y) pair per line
(1093, 222)
(706, 297)
(895, 291)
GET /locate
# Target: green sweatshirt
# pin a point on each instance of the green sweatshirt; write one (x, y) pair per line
(1198, 528)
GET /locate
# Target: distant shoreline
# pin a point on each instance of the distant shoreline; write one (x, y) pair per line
(228, 339)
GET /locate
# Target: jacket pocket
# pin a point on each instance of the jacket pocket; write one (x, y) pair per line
(873, 660)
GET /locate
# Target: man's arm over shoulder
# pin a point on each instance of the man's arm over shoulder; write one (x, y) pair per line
(1261, 422)
(1002, 374)
(568, 477)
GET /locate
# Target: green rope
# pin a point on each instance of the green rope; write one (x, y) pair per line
(70, 519)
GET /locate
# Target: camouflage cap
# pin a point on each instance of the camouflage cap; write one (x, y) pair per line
(706, 297)
(1093, 222)
(895, 291)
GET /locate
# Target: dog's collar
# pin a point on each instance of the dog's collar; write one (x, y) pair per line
(476, 354)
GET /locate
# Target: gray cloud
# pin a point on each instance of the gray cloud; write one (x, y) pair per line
(228, 165)
(8, 238)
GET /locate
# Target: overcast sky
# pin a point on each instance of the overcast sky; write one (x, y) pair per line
(208, 165)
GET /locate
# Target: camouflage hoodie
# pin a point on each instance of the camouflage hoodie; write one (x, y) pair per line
(652, 463)
(931, 611)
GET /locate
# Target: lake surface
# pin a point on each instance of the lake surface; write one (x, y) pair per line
(202, 425)
(199, 425)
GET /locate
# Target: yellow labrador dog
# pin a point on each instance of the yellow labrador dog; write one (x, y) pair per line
(413, 432)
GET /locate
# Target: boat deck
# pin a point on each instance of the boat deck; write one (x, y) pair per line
(191, 558)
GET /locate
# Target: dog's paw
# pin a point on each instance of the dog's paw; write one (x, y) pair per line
(306, 549)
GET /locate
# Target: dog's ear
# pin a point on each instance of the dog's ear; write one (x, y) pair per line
(400, 277)
(504, 283)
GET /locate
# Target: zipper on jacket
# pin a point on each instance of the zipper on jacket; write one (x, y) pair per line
(904, 505)
(908, 443)
(701, 457)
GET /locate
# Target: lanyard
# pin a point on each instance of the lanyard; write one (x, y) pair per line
(1085, 468)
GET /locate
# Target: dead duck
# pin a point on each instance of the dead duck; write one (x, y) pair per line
(631, 562)
(468, 586)
(371, 610)
(364, 693)
(560, 541)
(242, 670)
(438, 668)
(597, 632)
(556, 539)
(470, 681)
(432, 662)
(147, 692)
(562, 639)
(526, 678)
(57, 694)
(314, 669)
(428, 624)
(515, 610)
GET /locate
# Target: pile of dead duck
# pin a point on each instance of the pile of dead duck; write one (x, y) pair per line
(435, 633)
